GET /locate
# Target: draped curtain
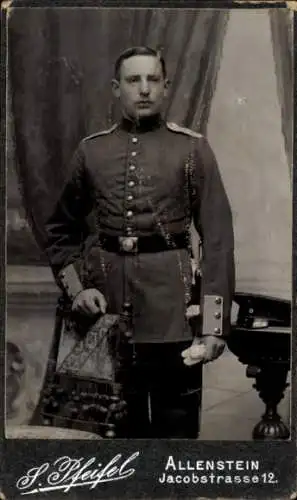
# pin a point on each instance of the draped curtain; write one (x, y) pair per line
(60, 67)
(281, 23)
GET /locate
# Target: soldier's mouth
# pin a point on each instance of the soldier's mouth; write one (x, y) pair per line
(144, 104)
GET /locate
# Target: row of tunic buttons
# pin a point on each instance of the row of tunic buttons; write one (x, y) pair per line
(218, 314)
(131, 184)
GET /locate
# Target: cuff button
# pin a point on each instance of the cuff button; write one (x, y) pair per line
(218, 300)
(217, 330)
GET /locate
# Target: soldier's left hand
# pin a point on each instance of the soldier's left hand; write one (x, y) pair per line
(214, 347)
(203, 350)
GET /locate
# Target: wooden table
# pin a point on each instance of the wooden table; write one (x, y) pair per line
(266, 350)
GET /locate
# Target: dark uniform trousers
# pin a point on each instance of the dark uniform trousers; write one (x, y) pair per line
(149, 180)
(163, 394)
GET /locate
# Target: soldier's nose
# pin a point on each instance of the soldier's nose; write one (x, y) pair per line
(144, 88)
(144, 92)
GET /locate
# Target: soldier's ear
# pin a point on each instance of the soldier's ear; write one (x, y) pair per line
(166, 86)
(115, 85)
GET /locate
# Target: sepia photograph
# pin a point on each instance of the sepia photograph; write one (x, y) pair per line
(149, 164)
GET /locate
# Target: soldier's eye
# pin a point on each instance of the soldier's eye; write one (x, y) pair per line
(133, 79)
(154, 78)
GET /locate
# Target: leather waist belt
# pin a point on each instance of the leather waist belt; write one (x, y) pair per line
(142, 244)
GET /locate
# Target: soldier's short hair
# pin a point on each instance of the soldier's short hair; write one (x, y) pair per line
(138, 51)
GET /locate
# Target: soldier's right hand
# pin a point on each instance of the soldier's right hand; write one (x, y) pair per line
(90, 302)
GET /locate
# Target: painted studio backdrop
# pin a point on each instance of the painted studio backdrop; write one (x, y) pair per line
(231, 78)
(231, 74)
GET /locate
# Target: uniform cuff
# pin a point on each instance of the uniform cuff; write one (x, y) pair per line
(69, 281)
(212, 315)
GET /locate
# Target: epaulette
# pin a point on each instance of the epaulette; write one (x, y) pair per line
(102, 132)
(183, 130)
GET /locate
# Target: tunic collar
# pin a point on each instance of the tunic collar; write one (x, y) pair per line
(144, 125)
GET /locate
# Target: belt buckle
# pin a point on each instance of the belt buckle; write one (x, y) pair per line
(128, 244)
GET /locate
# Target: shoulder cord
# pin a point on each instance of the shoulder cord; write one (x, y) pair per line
(192, 195)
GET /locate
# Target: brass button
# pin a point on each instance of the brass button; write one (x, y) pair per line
(133, 154)
(132, 168)
(62, 274)
(217, 330)
(129, 230)
(131, 183)
(129, 197)
(218, 300)
(129, 213)
(134, 140)
(218, 315)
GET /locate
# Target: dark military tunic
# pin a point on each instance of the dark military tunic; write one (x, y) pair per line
(142, 180)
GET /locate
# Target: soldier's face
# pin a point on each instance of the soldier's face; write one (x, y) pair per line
(142, 87)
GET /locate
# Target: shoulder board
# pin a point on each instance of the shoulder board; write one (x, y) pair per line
(182, 130)
(102, 132)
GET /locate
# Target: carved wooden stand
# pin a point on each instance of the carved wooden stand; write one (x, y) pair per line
(271, 385)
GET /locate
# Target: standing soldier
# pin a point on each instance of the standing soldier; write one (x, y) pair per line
(145, 181)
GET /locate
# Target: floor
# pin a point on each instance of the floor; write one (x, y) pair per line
(231, 407)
